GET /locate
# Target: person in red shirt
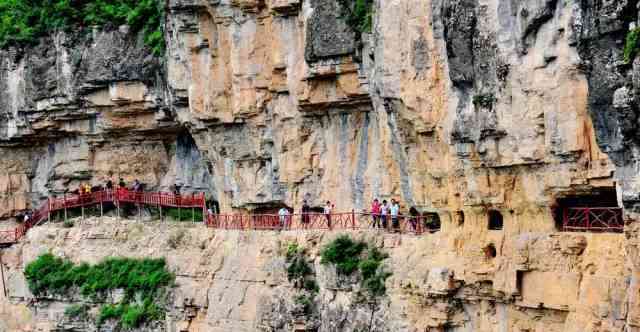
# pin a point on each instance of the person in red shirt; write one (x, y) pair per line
(375, 213)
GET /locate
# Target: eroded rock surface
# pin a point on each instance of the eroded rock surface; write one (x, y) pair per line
(237, 281)
(454, 107)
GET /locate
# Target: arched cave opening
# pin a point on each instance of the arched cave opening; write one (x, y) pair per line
(490, 251)
(431, 221)
(270, 208)
(495, 220)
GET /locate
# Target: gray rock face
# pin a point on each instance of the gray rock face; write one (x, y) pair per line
(459, 21)
(328, 35)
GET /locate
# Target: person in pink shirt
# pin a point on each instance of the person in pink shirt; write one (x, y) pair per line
(375, 213)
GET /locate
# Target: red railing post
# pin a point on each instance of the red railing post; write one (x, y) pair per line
(586, 218)
(353, 218)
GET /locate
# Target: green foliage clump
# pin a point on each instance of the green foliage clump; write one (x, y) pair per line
(373, 276)
(346, 255)
(141, 279)
(185, 214)
(485, 100)
(22, 21)
(68, 224)
(358, 14)
(631, 45)
(305, 302)
(77, 311)
(300, 273)
(297, 266)
(130, 315)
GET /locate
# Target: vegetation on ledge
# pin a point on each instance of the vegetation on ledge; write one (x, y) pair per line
(631, 45)
(143, 281)
(358, 14)
(348, 256)
(23, 21)
(300, 273)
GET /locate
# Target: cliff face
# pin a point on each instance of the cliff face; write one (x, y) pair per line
(237, 281)
(454, 107)
(447, 106)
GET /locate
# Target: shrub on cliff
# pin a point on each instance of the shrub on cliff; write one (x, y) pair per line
(22, 21)
(631, 45)
(358, 14)
(142, 280)
(347, 256)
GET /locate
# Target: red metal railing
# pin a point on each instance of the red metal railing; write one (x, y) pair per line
(595, 219)
(113, 196)
(602, 219)
(319, 221)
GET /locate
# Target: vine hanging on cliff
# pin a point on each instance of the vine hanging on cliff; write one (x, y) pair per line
(631, 45)
(358, 14)
(23, 21)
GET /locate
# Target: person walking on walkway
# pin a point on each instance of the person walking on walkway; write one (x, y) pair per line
(284, 215)
(384, 213)
(327, 213)
(305, 213)
(395, 213)
(413, 218)
(375, 213)
(136, 185)
(122, 184)
(109, 185)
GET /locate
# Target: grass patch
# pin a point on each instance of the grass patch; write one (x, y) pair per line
(186, 214)
(349, 256)
(631, 45)
(23, 21)
(358, 14)
(143, 281)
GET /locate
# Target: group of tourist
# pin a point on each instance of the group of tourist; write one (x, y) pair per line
(384, 214)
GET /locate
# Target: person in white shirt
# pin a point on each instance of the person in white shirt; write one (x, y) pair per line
(284, 214)
(384, 213)
(327, 213)
(395, 212)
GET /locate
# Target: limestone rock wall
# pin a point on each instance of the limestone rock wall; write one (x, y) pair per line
(454, 107)
(236, 281)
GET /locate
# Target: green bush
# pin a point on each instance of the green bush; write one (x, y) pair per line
(305, 302)
(631, 45)
(346, 255)
(76, 311)
(143, 279)
(68, 224)
(297, 266)
(485, 100)
(358, 14)
(22, 21)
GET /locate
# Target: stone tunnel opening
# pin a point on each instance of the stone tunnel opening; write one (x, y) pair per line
(269, 209)
(596, 210)
(431, 221)
(495, 220)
